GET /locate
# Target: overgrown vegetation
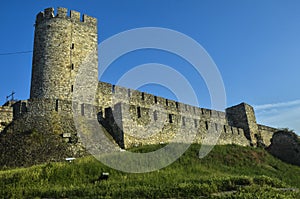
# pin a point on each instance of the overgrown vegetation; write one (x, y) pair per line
(227, 172)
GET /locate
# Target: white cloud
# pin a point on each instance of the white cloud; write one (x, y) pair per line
(280, 115)
(277, 105)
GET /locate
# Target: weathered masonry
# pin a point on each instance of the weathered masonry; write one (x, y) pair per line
(62, 43)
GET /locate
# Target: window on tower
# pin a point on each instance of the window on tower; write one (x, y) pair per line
(170, 118)
(155, 115)
(139, 112)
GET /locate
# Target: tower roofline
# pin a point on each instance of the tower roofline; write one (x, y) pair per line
(48, 13)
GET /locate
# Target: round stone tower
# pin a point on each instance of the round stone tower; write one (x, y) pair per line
(61, 44)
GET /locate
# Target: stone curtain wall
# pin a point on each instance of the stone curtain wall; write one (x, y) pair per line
(266, 133)
(143, 129)
(126, 114)
(61, 44)
(108, 95)
(142, 112)
(6, 116)
(48, 115)
(39, 134)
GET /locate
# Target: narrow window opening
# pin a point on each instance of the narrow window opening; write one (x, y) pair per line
(202, 111)
(224, 128)
(72, 66)
(113, 88)
(183, 121)
(155, 99)
(143, 96)
(72, 88)
(56, 105)
(231, 130)
(72, 46)
(167, 102)
(155, 115)
(170, 118)
(139, 112)
(129, 93)
(177, 105)
(206, 125)
(216, 126)
(82, 109)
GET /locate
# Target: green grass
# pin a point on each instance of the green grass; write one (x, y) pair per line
(227, 172)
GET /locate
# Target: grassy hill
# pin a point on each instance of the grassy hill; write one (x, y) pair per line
(227, 172)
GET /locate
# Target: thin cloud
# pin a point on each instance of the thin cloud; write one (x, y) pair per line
(280, 115)
(277, 105)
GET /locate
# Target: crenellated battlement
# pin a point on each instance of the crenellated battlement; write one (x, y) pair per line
(73, 15)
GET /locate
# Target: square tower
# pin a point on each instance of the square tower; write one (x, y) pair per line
(243, 116)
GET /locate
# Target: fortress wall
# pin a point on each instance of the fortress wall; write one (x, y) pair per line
(241, 124)
(143, 126)
(40, 106)
(50, 116)
(6, 116)
(112, 124)
(131, 116)
(44, 115)
(143, 111)
(130, 124)
(108, 95)
(266, 133)
(104, 96)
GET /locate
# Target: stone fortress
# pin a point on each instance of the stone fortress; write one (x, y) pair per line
(62, 42)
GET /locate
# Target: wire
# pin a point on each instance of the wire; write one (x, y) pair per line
(15, 53)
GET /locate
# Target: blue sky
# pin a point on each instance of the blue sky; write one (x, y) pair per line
(255, 44)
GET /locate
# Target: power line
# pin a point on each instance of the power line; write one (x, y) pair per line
(15, 53)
